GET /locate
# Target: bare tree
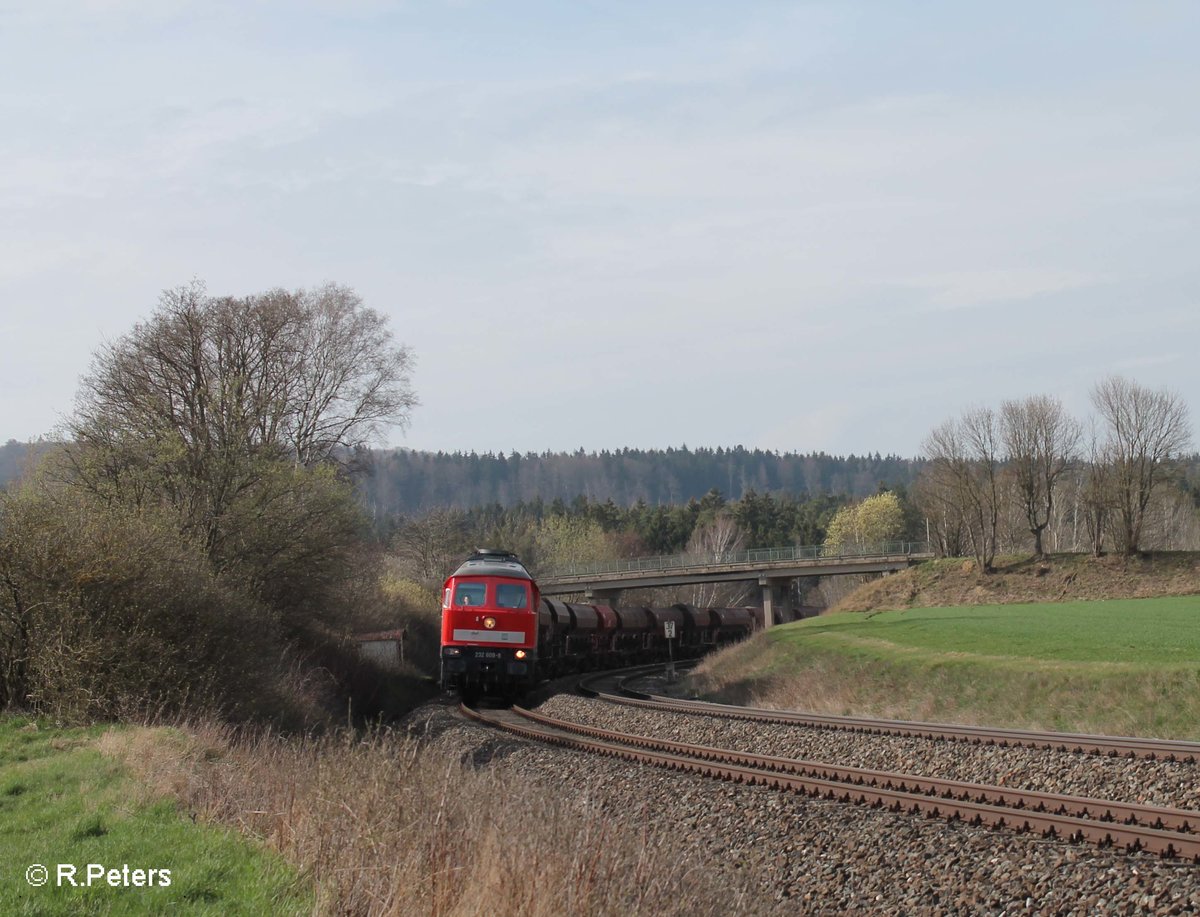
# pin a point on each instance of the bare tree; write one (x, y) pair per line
(1040, 442)
(719, 540)
(202, 403)
(934, 494)
(1176, 522)
(427, 547)
(1093, 492)
(303, 373)
(964, 470)
(1145, 431)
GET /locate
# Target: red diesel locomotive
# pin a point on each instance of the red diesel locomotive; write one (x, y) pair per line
(489, 626)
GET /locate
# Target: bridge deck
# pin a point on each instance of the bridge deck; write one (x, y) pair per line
(760, 564)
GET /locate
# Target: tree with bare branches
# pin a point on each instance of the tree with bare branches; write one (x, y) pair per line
(426, 547)
(719, 540)
(205, 404)
(1040, 442)
(1145, 431)
(1095, 492)
(963, 473)
(945, 527)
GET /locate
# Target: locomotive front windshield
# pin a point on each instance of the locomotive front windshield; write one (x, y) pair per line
(511, 595)
(470, 593)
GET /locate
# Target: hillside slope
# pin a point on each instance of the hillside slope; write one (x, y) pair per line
(1070, 643)
(1058, 578)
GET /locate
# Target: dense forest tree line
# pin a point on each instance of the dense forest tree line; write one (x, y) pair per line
(16, 458)
(404, 482)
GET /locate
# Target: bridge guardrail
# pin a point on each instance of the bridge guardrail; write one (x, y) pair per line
(670, 562)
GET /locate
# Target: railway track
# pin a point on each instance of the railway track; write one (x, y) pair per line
(1112, 746)
(1130, 827)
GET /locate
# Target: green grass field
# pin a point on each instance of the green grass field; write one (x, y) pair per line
(1138, 632)
(63, 801)
(1128, 667)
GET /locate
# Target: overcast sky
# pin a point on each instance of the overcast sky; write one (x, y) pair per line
(799, 226)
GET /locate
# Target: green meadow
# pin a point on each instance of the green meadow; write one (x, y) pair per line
(1121, 666)
(1136, 632)
(63, 801)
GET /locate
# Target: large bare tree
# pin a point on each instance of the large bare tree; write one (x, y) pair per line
(963, 473)
(299, 373)
(1145, 431)
(207, 401)
(1040, 441)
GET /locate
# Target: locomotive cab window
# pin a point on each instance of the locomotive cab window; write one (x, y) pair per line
(511, 595)
(470, 593)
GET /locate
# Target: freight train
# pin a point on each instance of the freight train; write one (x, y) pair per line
(500, 637)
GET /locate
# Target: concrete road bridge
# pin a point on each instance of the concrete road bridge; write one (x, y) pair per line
(773, 569)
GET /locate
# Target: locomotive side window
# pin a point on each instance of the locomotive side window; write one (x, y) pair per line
(511, 595)
(470, 593)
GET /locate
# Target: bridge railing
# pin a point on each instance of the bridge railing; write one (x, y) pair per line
(671, 562)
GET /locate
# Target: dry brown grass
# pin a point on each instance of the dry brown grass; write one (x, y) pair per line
(757, 674)
(1164, 704)
(1058, 578)
(384, 825)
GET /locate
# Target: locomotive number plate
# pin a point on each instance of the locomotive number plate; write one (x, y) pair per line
(489, 636)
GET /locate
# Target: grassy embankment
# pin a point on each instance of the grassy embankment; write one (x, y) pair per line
(1115, 665)
(377, 824)
(63, 799)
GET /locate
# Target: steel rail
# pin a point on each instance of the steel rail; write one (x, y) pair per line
(897, 792)
(1112, 746)
(1184, 820)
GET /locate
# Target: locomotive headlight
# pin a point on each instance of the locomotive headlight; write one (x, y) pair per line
(489, 623)
(520, 654)
(452, 651)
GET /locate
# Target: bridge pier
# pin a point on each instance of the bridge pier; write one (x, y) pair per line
(776, 600)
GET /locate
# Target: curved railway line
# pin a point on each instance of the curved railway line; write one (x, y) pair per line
(1112, 746)
(1132, 827)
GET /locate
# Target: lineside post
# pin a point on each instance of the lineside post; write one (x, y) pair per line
(669, 633)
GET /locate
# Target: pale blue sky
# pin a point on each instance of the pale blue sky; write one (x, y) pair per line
(807, 226)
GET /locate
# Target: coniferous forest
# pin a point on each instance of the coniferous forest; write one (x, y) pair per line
(405, 483)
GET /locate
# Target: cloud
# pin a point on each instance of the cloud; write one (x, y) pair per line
(75, 12)
(967, 289)
(1147, 361)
